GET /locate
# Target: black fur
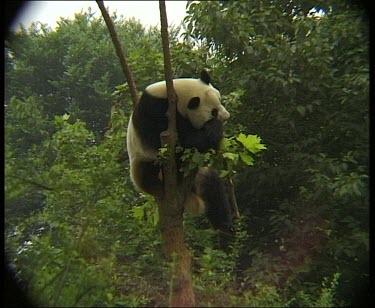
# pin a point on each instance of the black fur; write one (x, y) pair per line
(212, 191)
(149, 119)
(151, 183)
(194, 103)
(208, 137)
(205, 77)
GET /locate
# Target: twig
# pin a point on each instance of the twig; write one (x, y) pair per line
(232, 199)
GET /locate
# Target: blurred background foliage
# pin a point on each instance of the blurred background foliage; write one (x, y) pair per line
(78, 234)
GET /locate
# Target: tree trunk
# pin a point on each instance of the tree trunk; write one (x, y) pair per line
(170, 206)
(171, 224)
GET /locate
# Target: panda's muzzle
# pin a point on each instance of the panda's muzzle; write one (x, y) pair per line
(223, 116)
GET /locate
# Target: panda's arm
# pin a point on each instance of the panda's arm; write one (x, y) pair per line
(208, 137)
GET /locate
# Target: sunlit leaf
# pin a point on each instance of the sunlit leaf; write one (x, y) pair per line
(66, 117)
(247, 158)
(138, 212)
(251, 143)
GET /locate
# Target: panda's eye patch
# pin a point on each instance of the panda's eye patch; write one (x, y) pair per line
(194, 103)
(215, 113)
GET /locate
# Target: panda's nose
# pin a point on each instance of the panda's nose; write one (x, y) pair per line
(224, 116)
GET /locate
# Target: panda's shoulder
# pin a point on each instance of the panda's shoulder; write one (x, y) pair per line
(157, 89)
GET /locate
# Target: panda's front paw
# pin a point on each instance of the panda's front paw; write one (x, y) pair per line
(214, 126)
(214, 130)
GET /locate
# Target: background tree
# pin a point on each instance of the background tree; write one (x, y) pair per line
(306, 93)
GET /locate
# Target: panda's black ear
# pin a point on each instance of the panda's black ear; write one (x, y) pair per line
(205, 77)
(194, 103)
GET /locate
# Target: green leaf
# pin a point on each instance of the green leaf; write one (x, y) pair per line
(163, 152)
(223, 173)
(59, 120)
(138, 212)
(224, 144)
(251, 143)
(198, 158)
(247, 158)
(155, 217)
(231, 156)
(66, 117)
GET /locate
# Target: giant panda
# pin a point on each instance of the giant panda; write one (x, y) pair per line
(199, 122)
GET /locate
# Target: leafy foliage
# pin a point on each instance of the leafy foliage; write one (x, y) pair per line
(226, 159)
(75, 68)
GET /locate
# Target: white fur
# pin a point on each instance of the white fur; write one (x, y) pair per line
(187, 88)
(136, 152)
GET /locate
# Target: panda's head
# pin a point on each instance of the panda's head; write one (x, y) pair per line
(198, 100)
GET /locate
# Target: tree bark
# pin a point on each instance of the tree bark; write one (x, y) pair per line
(170, 206)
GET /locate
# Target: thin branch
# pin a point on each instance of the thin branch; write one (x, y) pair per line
(31, 182)
(232, 199)
(120, 53)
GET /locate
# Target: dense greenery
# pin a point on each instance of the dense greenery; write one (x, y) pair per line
(78, 234)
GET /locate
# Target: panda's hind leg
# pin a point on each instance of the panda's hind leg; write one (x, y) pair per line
(193, 204)
(210, 187)
(146, 175)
